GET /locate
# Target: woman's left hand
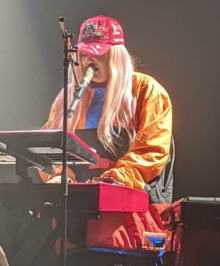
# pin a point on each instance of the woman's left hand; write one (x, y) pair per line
(106, 179)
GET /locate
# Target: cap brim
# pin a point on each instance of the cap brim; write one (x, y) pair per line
(96, 49)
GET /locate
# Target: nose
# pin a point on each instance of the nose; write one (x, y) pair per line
(88, 60)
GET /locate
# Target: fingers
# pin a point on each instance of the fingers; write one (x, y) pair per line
(106, 179)
(57, 180)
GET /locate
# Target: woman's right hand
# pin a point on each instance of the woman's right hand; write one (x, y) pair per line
(57, 180)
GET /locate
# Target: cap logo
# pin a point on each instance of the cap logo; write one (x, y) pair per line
(116, 29)
(98, 46)
(98, 34)
(118, 40)
(92, 30)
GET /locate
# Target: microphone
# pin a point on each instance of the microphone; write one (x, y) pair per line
(63, 26)
(80, 91)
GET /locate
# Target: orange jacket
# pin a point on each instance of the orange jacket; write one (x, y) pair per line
(149, 152)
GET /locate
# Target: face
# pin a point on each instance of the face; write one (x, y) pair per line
(101, 66)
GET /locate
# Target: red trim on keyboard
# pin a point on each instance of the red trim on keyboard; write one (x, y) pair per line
(103, 163)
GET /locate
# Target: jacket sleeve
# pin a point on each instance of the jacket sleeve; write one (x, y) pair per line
(149, 152)
(52, 124)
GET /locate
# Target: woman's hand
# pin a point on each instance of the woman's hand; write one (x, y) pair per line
(106, 179)
(57, 180)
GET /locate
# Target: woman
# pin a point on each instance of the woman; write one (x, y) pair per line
(118, 97)
(119, 100)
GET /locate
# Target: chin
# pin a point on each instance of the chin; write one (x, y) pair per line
(97, 80)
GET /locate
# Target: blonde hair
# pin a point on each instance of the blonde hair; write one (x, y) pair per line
(119, 107)
(120, 104)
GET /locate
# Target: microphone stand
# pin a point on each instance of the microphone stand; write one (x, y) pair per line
(64, 184)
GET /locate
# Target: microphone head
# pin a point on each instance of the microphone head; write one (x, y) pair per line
(61, 19)
(91, 69)
(88, 74)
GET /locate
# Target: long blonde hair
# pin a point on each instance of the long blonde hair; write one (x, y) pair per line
(119, 107)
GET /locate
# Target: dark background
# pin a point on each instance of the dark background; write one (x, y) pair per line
(178, 43)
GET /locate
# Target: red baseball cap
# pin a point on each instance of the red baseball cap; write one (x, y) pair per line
(98, 34)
